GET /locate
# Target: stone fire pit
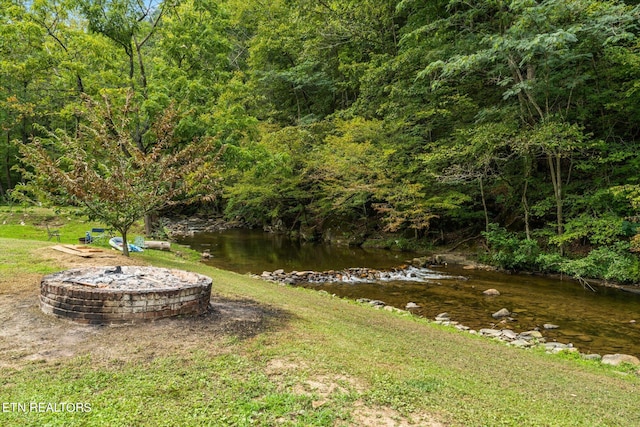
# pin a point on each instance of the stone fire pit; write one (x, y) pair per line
(98, 295)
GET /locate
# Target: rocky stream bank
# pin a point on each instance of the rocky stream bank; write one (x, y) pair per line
(415, 271)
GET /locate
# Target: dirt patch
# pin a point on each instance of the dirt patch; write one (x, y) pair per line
(325, 387)
(277, 367)
(387, 417)
(28, 334)
(104, 258)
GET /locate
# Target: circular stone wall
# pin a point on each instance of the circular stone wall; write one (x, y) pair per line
(98, 295)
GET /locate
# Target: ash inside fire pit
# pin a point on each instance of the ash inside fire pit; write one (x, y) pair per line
(123, 294)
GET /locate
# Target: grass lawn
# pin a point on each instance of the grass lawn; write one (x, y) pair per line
(275, 355)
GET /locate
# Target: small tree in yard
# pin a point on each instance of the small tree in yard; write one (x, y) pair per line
(103, 170)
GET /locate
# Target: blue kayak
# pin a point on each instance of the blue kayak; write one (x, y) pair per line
(116, 242)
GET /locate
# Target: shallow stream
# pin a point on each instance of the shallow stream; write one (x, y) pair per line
(601, 322)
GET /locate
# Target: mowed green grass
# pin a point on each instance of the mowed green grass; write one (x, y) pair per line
(381, 364)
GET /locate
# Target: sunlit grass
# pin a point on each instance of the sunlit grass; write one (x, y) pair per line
(376, 359)
(30, 223)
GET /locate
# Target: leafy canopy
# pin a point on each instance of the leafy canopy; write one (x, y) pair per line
(102, 169)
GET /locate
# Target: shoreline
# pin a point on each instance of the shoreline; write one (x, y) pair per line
(435, 257)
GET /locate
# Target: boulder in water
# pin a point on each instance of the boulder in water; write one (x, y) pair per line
(503, 312)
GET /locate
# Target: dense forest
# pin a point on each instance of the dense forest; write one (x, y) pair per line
(437, 120)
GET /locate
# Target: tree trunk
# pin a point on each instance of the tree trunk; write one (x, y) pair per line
(148, 224)
(6, 161)
(556, 179)
(1, 191)
(129, 53)
(525, 202)
(125, 244)
(143, 73)
(484, 206)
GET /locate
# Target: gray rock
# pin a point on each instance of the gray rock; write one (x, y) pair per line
(420, 262)
(377, 303)
(443, 316)
(363, 300)
(617, 359)
(491, 292)
(412, 305)
(266, 274)
(555, 345)
(521, 343)
(508, 334)
(494, 333)
(565, 350)
(503, 312)
(302, 273)
(550, 326)
(530, 335)
(278, 272)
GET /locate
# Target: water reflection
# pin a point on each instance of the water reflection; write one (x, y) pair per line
(598, 322)
(254, 251)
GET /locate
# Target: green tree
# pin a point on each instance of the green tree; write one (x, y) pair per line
(103, 170)
(542, 56)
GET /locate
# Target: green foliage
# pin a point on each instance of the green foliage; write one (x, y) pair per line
(390, 116)
(614, 263)
(509, 251)
(105, 172)
(604, 230)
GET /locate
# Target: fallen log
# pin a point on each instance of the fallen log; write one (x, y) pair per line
(157, 244)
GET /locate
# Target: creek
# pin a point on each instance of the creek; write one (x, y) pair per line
(602, 322)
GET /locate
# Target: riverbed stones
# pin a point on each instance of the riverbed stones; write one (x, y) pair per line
(443, 317)
(508, 334)
(531, 335)
(503, 312)
(522, 340)
(492, 333)
(521, 343)
(557, 347)
(617, 359)
(526, 339)
(421, 262)
(377, 303)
